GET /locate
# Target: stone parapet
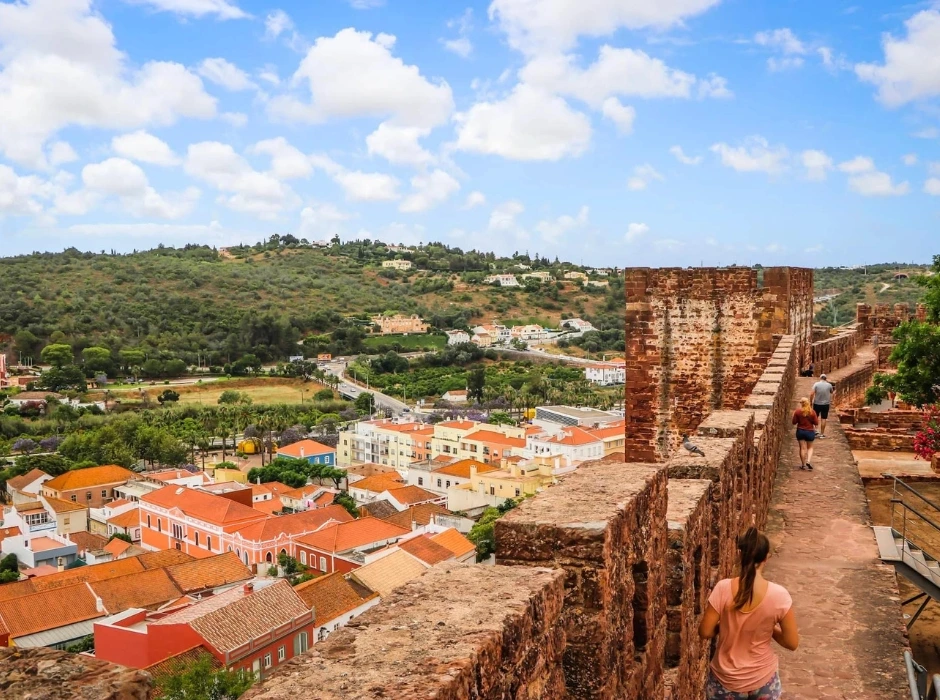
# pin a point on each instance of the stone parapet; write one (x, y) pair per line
(835, 351)
(50, 674)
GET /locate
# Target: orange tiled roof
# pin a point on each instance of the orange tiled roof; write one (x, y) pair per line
(495, 438)
(333, 595)
(9, 532)
(144, 589)
(301, 492)
(311, 448)
(114, 505)
(166, 557)
(174, 664)
(18, 483)
(378, 482)
(454, 541)
(379, 509)
(370, 469)
(420, 514)
(90, 477)
(412, 495)
(47, 610)
(230, 619)
(462, 468)
(459, 424)
(275, 488)
(57, 505)
(324, 499)
(87, 541)
(202, 505)
(168, 474)
(129, 518)
(615, 430)
(211, 572)
(390, 572)
(70, 577)
(117, 547)
(294, 524)
(427, 551)
(351, 535)
(269, 507)
(574, 437)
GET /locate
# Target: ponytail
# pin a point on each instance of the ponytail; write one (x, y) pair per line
(754, 547)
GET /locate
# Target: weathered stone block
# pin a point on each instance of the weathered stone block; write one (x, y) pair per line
(50, 674)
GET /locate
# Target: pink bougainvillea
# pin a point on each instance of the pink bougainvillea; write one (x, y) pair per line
(927, 441)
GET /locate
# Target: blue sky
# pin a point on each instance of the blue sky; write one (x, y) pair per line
(624, 132)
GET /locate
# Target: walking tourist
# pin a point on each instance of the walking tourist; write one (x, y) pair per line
(822, 399)
(746, 613)
(805, 420)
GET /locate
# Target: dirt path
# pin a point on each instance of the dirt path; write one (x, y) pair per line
(846, 601)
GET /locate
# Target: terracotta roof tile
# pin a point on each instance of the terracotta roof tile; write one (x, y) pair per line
(420, 514)
(18, 483)
(574, 436)
(333, 595)
(423, 548)
(47, 610)
(57, 505)
(310, 448)
(294, 524)
(615, 430)
(211, 572)
(145, 589)
(379, 482)
(86, 478)
(117, 547)
(352, 535)
(166, 557)
(70, 577)
(412, 495)
(9, 532)
(174, 664)
(388, 573)
(378, 509)
(495, 438)
(230, 619)
(454, 541)
(370, 469)
(202, 505)
(87, 541)
(462, 468)
(127, 519)
(459, 424)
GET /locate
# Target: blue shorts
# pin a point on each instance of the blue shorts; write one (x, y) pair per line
(805, 435)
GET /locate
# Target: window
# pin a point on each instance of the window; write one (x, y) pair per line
(281, 653)
(73, 498)
(303, 558)
(208, 543)
(518, 493)
(640, 607)
(421, 481)
(322, 563)
(300, 643)
(196, 538)
(267, 661)
(438, 483)
(65, 520)
(148, 521)
(486, 450)
(159, 525)
(104, 493)
(88, 495)
(448, 484)
(492, 490)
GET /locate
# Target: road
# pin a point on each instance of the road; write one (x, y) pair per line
(347, 388)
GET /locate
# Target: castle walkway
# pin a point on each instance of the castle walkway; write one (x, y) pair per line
(824, 553)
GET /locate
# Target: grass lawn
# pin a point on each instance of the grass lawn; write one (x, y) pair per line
(261, 390)
(415, 341)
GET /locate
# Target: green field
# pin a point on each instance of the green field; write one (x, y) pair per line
(412, 342)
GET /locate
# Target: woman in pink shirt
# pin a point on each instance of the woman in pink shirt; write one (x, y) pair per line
(747, 613)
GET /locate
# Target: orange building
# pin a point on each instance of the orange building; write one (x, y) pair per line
(92, 487)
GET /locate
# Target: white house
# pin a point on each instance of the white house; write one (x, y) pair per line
(457, 337)
(24, 489)
(455, 396)
(606, 373)
(502, 280)
(574, 444)
(541, 276)
(498, 333)
(25, 397)
(575, 275)
(397, 264)
(578, 324)
(529, 332)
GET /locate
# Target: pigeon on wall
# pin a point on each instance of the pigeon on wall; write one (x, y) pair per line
(688, 445)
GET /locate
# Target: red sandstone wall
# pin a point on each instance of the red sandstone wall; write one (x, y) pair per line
(697, 341)
(835, 351)
(882, 319)
(850, 387)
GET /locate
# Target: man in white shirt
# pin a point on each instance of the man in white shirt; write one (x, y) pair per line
(821, 398)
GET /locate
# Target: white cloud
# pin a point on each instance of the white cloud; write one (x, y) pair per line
(814, 249)
(529, 124)
(429, 190)
(817, 164)
(619, 114)
(867, 180)
(683, 158)
(474, 199)
(715, 87)
(909, 159)
(368, 187)
(643, 175)
(755, 155)
(625, 72)
(354, 75)
(20, 195)
(503, 216)
(119, 177)
(831, 61)
(287, 162)
(462, 46)
(247, 189)
(931, 132)
(538, 24)
(911, 70)
(60, 67)
(553, 230)
(932, 186)
(365, 4)
(778, 65)
(236, 119)
(222, 9)
(783, 40)
(322, 220)
(276, 23)
(399, 144)
(635, 231)
(61, 152)
(228, 75)
(145, 148)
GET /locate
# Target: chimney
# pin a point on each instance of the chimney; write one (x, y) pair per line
(301, 452)
(60, 563)
(258, 480)
(248, 587)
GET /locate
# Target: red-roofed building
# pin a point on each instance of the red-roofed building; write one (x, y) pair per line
(571, 442)
(342, 547)
(255, 627)
(310, 450)
(264, 540)
(490, 446)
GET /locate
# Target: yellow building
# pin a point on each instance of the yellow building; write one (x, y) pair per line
(398, 323)
(397, 264)
(515, 478)
(223, 476)
(612, 436)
